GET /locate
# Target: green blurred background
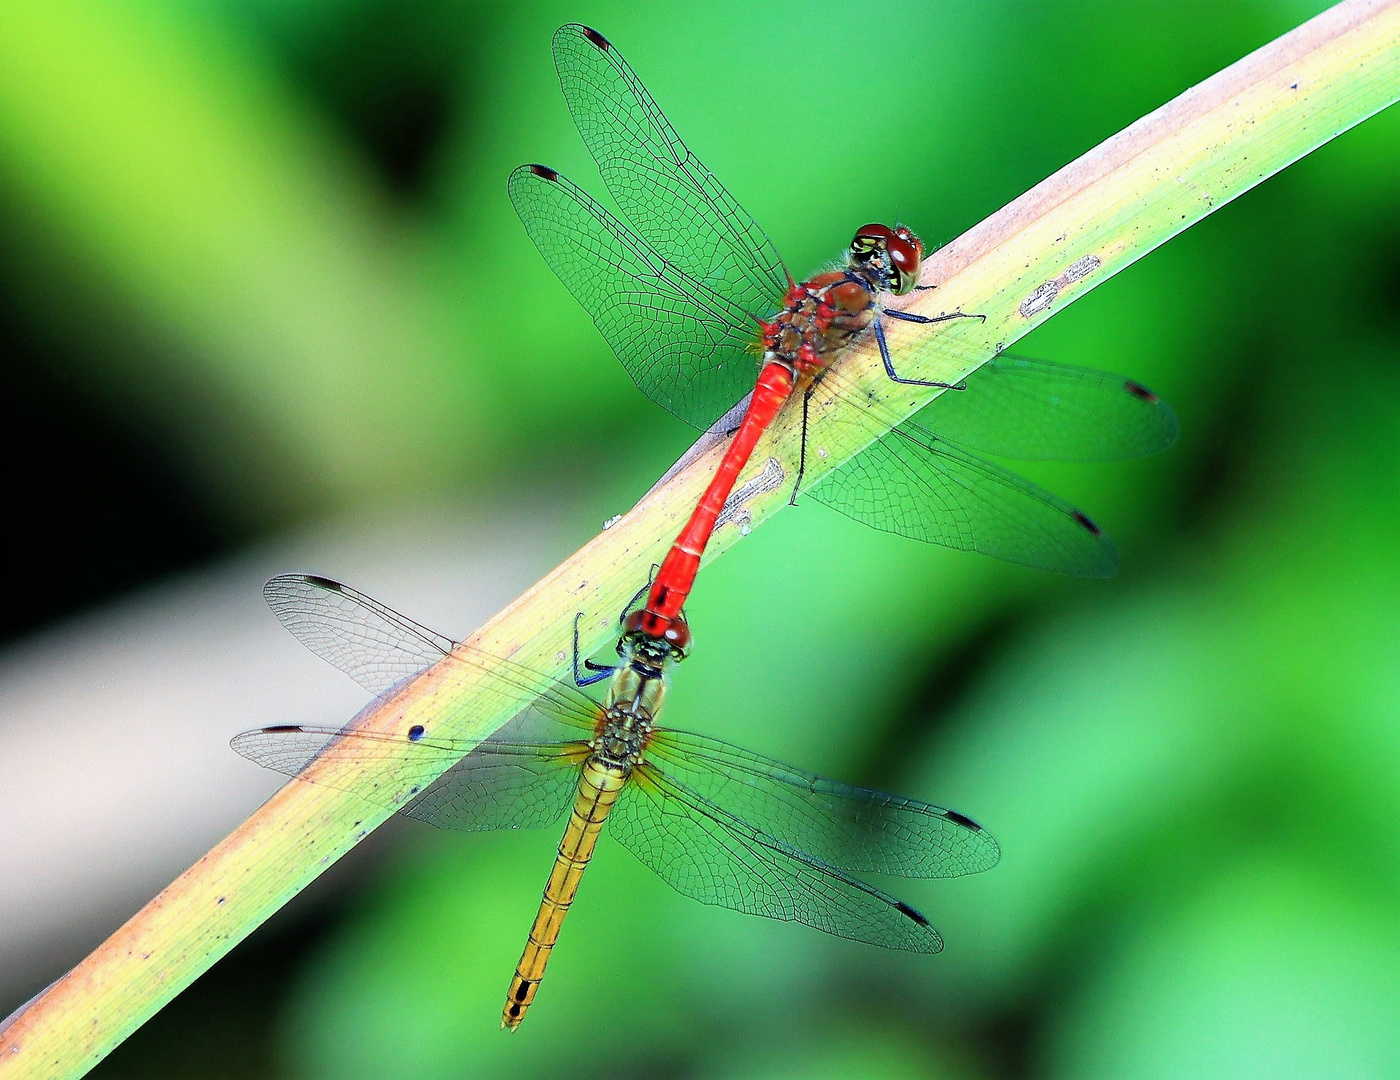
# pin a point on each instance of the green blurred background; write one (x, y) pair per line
(258, 273)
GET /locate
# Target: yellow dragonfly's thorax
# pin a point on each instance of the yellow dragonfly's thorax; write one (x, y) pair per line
(621, 741)
(633, 701)
(635, 695)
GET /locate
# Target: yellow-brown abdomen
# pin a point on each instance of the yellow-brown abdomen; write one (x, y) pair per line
(598, 788)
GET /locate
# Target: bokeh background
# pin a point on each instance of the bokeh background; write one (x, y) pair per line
(264, 306)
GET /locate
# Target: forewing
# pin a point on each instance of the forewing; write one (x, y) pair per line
(912, 483)
(379, 648)
(685, 345)
(705, 853)
(664, 190)
(1034, 410)
(850, 827)
(373, 644)
(500, 784)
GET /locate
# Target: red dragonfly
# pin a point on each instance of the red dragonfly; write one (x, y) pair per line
(717, 823)
(692, 289)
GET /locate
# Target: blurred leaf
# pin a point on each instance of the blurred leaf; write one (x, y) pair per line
(1270, 972)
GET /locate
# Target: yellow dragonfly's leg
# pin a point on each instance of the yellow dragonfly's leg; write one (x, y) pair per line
(598, 787)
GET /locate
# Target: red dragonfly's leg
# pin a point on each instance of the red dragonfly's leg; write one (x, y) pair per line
(906, 317)
(802, 452)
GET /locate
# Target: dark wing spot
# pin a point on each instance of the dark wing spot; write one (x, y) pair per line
(1083, 519)
(1139, 391)
(415, 733)
(278, 729)
(544, 172)
(413, 790)
(907, 910)
(322, 582)
(597, 38)
(962, 819)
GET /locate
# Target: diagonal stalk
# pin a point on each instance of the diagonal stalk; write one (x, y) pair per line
(1074, 230)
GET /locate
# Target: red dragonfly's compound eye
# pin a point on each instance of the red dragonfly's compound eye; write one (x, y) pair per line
(903, 248)
(869, 239)
(905, 257)
(678, 637)
(906, 252)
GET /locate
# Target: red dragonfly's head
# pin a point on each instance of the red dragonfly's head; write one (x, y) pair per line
(898, 250)
(671, 642)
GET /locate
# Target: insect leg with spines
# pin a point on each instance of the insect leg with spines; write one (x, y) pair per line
(596, 673)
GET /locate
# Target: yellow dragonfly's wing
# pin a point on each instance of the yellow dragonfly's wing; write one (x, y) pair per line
(499, 784)
(523, 776)
(843, 825)
(710, 855)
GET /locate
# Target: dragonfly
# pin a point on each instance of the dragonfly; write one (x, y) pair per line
(717, 823)
(691, 294)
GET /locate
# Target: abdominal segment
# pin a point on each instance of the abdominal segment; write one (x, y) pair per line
(598, 788)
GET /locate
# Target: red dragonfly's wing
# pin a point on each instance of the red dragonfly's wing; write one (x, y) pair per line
(1026, 409)
(685, 345)
(917, 480)
(704, 852)
(671, 199)
(911, 482)
(850, 827)
(1035, 410)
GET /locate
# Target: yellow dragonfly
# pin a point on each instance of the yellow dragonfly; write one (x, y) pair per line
(717, 823)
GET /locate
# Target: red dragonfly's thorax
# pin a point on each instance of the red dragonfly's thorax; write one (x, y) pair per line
(819, 317)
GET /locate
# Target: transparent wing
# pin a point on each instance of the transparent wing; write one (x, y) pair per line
(912, 483)
(850, 827)
(685, 345)
(374, 645)
(500, 784)
(705, 853)
(379, 648)
(1034, 410)
(665, 191)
